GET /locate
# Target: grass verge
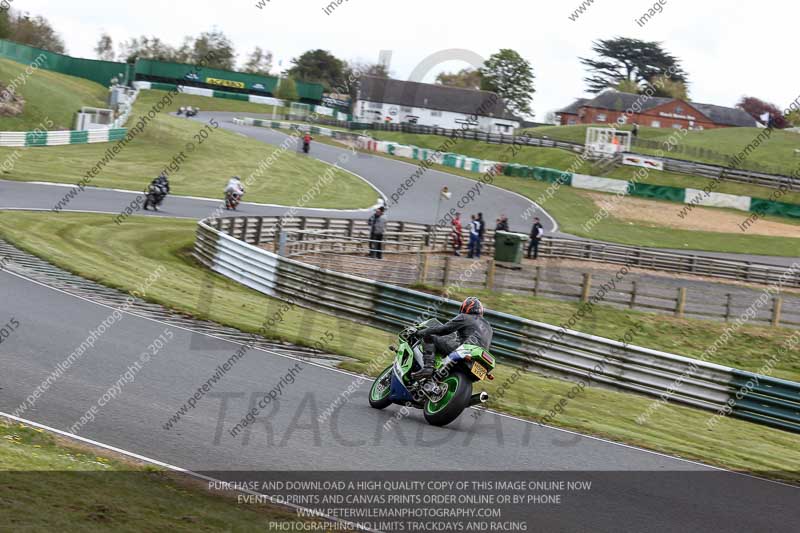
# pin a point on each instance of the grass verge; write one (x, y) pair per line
(48, 95)
(203, 171)
(775, 154)
(564, 160)
(572, 208)
(120, 257)
(53, 484)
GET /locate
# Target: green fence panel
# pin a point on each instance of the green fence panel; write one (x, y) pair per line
(231, 96)
(769, 207)
(659, 192)
(162, 86)
(36, 138)
(309, 91)
(79, 137)
(117, 134)
(211, 77)
(551, 175)
(95, 70)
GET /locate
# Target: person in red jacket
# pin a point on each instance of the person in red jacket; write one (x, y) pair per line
(456, 235)
(307, 142)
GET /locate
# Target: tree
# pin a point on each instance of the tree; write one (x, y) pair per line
(793, 118)
(104, 49)
(755, 107)
(628, 86)
(259, 62)
(467, 78)
(319, 66)
(214, 50)
(629, 59)
(287, 90)
(353, 71)
(510, 76)
(146, 48)
(35, 31)
(670, 88)
(5, 23)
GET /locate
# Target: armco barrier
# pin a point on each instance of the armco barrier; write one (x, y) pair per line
(58, 138)
(543, 347)
(278, 125)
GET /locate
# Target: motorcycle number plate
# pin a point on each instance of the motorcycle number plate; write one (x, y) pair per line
(479, 371)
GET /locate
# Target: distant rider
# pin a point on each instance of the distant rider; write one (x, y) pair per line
(307, 142)
(158, 190)
(469, 327)
(234, 189)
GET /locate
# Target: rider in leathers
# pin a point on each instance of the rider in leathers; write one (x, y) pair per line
(469, 327)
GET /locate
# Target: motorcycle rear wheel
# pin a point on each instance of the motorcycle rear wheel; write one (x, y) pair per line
(454, 401)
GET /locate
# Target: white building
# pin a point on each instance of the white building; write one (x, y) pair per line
(407, 102)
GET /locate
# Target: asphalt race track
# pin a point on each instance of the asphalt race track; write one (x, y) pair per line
(632, 487)
(634, 490)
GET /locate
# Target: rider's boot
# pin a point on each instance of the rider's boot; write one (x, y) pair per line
(427, 367)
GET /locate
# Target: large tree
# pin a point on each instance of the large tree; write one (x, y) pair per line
(213, 49)
(35, 31)
(259, 62)
(287, 89)
(146, 48)
(104, 49)
(756, 107)
(353, 71)
(319, 66)
(622, 59)
(511, 76)
(467, 78)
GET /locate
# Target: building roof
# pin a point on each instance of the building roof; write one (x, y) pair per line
(430, 96)
(618, 101)
(730, 116)
(574, 107)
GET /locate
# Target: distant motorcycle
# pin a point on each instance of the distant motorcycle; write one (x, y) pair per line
(306, 147)
(232, 200)
(192, 111)
(155, 195)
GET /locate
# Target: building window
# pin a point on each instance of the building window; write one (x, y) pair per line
(678, 110)
(571, 121)
(436, 113)
(375, 105)
(656, 124)
(601, 117)
(676, 126)
(406, 109)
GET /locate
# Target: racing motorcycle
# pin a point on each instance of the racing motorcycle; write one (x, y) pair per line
(443, 396)
(232, 200)
(155, 195)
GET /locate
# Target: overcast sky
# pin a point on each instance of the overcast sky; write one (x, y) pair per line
(728, 50)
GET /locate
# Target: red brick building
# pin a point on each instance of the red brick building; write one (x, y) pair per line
(655, 112)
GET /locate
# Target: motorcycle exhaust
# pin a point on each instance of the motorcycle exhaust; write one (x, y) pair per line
(477, 399)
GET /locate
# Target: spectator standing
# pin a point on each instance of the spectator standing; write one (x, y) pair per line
(474, 235)
(456, 235)
(378, 227)
(536, 235)
(502, 223)
(481, 230)
(635, 130)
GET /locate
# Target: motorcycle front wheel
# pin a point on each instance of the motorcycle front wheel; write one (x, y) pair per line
(381, 387)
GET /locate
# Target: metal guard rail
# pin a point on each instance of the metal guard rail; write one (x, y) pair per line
(543, 347)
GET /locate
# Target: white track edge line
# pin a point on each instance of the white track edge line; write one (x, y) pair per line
(364, 378)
